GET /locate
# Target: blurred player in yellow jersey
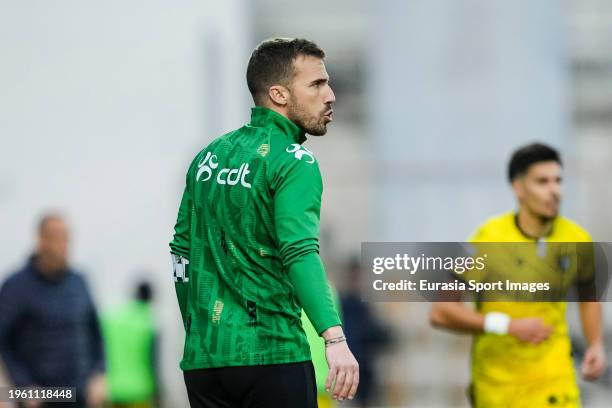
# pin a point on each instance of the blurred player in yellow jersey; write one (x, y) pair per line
(521, 355)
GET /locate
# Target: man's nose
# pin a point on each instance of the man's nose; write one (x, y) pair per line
(331, 97)
(556, 190)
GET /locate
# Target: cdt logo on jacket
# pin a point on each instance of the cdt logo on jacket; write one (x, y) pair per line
(231, 177)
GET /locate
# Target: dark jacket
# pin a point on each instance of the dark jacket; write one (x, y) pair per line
(49, 329)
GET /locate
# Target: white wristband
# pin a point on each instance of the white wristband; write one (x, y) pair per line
(496, 322)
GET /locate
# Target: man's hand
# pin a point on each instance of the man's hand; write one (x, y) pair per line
(530, 329)
(96, 391)
(594, 363)
(343, 367)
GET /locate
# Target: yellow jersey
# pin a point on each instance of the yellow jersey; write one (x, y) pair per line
(507, 371)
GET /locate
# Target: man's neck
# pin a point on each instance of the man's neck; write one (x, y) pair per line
(48, 269)
(533, 225)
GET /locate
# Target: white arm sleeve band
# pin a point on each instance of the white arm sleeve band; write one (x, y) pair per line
(496, 322)
(180, 270)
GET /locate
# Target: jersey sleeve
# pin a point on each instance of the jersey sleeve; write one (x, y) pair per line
(12, 317)
(473, 248)
(180, 244)
(589, 276)
(297, 188)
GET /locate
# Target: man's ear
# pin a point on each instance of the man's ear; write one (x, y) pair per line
(279, 94)
(518, 187)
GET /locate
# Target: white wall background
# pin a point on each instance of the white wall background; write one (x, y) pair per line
(102, 107)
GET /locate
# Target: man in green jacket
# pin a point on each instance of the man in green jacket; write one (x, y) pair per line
(246, 246)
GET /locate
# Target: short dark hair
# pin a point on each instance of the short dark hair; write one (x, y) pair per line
(528, 155)
(272, 63)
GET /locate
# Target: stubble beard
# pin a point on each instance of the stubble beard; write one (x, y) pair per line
(310, 124)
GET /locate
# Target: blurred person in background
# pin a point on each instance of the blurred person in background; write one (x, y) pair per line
(49, 330)
(367, 335)
(131, 345)
(246, 247)
(521, 354)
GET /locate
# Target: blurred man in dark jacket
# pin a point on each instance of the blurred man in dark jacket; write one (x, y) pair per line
(49, 330)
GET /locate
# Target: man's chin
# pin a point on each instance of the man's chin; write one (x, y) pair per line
(549, 216)
(317, 131)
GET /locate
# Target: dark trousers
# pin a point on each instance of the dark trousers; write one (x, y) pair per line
(289, 385)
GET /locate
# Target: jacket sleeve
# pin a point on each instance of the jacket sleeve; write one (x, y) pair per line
(181, 245)
(297, 189)
(11, 314)
(95, 333)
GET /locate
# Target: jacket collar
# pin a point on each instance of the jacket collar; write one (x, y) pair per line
(264, 117)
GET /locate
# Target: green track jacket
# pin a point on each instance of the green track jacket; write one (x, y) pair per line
(248, 224)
